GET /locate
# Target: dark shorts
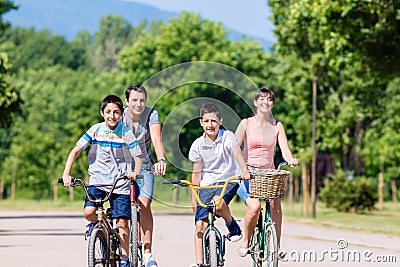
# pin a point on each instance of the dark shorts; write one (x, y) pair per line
(206, 195)
(120, 204)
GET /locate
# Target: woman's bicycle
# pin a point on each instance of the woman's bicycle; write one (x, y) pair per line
(213, 241)
(266, 184)
(104, 246)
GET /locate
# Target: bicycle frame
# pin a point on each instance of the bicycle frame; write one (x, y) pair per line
(211, 216)
(135, 240)
(104, 225)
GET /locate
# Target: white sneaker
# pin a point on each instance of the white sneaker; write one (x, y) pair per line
(243, 251)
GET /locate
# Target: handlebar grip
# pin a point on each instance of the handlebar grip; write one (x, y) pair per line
(170, 182)
(282, 164)
(60, 180)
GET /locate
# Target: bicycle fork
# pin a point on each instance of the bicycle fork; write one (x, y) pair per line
(220, 241)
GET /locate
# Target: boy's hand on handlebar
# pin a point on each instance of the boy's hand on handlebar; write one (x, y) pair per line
(246, 175)
(67, 180)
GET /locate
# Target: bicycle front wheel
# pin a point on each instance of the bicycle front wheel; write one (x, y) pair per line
(255, 248)
(271, 245)
(211, 246)
(97, 249)
(135, 251)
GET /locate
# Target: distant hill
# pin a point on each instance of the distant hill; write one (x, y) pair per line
(67, 18)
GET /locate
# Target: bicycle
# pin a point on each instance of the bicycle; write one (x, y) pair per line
(266, 184)
(104, 246)
(135, 237)
(213, 241)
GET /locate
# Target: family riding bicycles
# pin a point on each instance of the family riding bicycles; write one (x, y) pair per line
(217, 160)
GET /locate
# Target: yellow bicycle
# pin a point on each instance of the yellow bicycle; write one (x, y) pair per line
(213, 241)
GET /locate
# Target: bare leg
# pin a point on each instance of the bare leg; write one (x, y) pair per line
(123, 227)
(201, 226)
(90, 214)
(146, 219)
(224, 211)
(276, 216)
(250, 219)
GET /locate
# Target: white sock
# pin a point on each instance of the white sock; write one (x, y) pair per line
(148, 257)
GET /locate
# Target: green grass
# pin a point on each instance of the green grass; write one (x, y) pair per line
(384, 221)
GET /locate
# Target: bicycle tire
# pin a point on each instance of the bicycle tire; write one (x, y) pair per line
(271, 246)
(255, 248)
(213, 247)
(135, 253)
(97, 249)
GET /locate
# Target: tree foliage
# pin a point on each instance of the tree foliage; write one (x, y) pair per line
(349, 195)
(351, 48)
(9, 96)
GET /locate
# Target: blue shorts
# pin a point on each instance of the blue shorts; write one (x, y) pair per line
(146, 185)
(243, 191)
(206, 195)
(120, 204)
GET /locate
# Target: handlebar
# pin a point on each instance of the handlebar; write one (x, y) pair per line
(283, 163)
(186, 183)
(79, 182)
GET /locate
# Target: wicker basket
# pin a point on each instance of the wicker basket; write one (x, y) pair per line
(268, 183)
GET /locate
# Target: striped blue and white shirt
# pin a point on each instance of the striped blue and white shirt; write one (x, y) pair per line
(110, 155)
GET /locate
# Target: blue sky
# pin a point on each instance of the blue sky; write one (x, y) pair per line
(248, 17)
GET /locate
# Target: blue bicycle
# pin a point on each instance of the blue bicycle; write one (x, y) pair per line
(265, 185)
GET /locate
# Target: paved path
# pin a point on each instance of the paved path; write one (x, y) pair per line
(56, 239)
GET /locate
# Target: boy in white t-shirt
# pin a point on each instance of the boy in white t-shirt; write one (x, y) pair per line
(216, 156)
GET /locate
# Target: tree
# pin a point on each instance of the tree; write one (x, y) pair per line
(114, 34)
(29, 49)
(62, 105)
(343, 45)
(9, 97)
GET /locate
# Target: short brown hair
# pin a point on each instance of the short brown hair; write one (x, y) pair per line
(263, 91)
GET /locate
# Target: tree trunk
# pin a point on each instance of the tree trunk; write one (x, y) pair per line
(296, 190)
(380, 191)
(55, 191)
(13, 186)
(71, 194)
(394, 191)
(291, 193)
(1, 189)
(305, 181)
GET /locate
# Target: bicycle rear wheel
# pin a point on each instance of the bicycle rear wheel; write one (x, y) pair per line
(135, 248)
(271, 245)
(255, 248)
(97, 249)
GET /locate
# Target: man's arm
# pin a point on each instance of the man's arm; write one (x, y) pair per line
(161, 165)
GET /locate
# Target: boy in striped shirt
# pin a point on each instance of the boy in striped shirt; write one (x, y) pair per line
(112, 149)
